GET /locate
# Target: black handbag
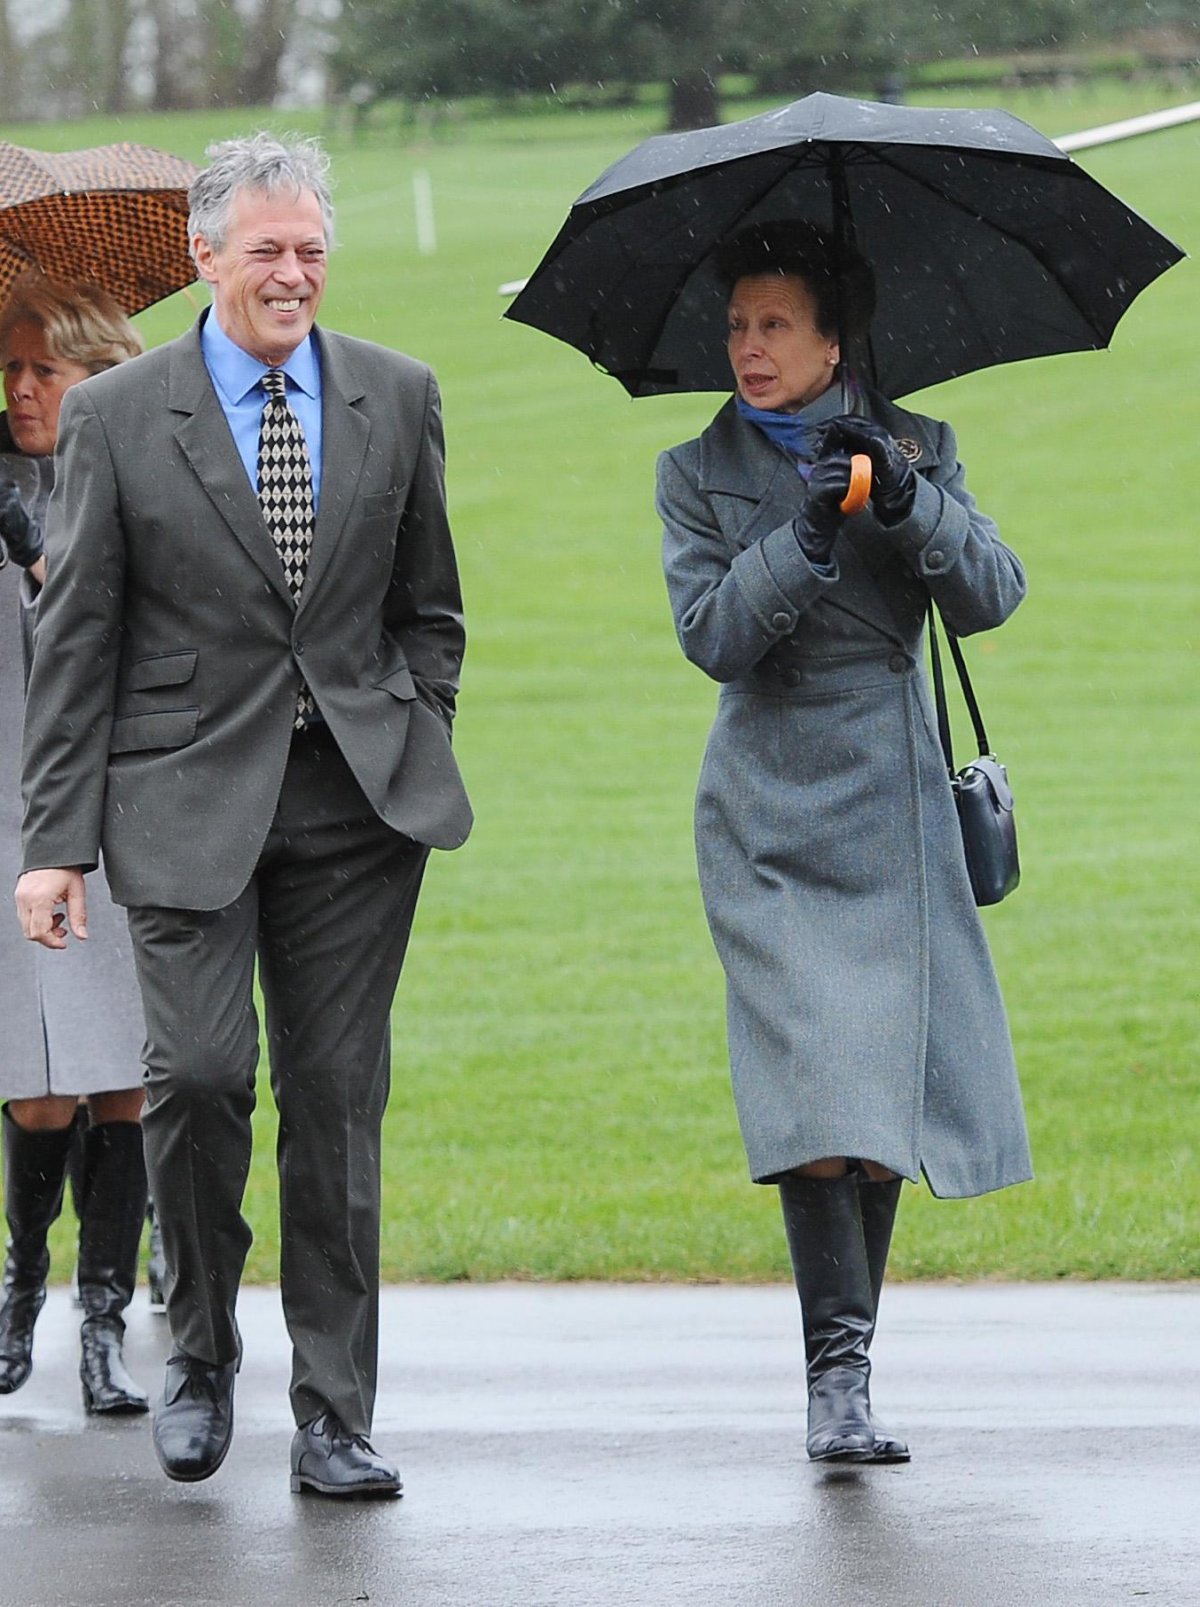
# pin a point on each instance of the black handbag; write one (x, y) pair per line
(981, 791)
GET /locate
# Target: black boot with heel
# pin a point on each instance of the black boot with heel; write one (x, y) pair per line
(110, 1236)
(823, 1220)
(34, 1171)
(878, 1203)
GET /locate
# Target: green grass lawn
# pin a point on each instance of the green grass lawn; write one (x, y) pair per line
(560, 1104)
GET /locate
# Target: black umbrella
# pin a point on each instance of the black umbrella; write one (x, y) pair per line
(988, 243)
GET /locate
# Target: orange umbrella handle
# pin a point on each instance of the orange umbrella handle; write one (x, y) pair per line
(856, 497)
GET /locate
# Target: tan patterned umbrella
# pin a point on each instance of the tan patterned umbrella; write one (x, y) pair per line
(114, 216)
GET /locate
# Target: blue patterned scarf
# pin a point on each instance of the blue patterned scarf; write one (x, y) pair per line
(797, 434)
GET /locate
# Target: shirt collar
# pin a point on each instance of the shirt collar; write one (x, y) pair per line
(235, 373)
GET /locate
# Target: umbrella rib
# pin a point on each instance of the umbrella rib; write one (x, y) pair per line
(1000, 229)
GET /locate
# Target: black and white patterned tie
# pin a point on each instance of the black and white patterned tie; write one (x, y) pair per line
(285, 494)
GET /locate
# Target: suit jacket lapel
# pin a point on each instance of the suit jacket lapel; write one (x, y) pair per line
(206, 441)
(345, 432)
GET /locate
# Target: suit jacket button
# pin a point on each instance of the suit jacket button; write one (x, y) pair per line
(298, 649)
(935, 559)
(790, 677)
(782, 621)
(898, 663)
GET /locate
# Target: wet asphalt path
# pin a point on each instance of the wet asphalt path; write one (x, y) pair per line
(643, 1447)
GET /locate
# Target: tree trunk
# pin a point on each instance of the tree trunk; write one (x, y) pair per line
(695, 102)
(223, 38)
(10, 66)
(695, 31)
(172, 50)
(115, 18)
(266, 44)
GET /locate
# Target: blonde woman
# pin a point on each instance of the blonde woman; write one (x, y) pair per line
(73, 1025)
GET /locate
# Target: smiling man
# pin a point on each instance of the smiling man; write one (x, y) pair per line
(244, 678)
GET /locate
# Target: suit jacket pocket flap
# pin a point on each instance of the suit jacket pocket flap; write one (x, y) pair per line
(382, 504)
(164, 669)
(399, 683)
(133, 733)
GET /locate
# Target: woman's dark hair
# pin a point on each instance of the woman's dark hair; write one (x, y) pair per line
(788, 246)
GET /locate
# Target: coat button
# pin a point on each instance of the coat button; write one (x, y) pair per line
(898, 663)
(782, 621)
(790, 677)
(935, 559)
(298, 649)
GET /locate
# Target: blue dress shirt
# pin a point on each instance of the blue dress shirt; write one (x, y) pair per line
(237, 379)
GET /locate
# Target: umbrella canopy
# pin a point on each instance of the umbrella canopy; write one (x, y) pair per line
(114, 216)
(988, 243)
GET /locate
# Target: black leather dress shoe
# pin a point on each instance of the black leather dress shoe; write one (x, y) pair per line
(329, 1459)
(193, 1423)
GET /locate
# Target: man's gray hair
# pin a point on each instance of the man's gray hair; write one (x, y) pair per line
(256, 162)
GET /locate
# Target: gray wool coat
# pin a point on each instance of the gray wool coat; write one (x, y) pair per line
(72, 1019)
(864, 1015)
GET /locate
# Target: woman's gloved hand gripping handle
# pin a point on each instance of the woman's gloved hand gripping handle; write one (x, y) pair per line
(893, 478)
(817, 524)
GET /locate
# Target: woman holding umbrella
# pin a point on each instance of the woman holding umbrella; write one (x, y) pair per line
(73, 1028)
(867, 1036)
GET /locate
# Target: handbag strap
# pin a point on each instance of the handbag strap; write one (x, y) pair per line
(939, 690)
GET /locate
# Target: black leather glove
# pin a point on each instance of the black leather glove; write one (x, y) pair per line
(817, 524)
(21, 535)
(893, 478)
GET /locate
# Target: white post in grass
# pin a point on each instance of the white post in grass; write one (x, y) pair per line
(423, 207)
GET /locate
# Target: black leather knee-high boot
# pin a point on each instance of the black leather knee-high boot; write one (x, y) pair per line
(34, 1171)
(77, 1160)
(77, 1179)
(823, 1220)
(110, 1237)
(878, 1202)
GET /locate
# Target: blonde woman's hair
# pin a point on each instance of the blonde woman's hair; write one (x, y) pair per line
(81, 323)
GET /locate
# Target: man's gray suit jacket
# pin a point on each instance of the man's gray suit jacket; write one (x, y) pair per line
(169, 650)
